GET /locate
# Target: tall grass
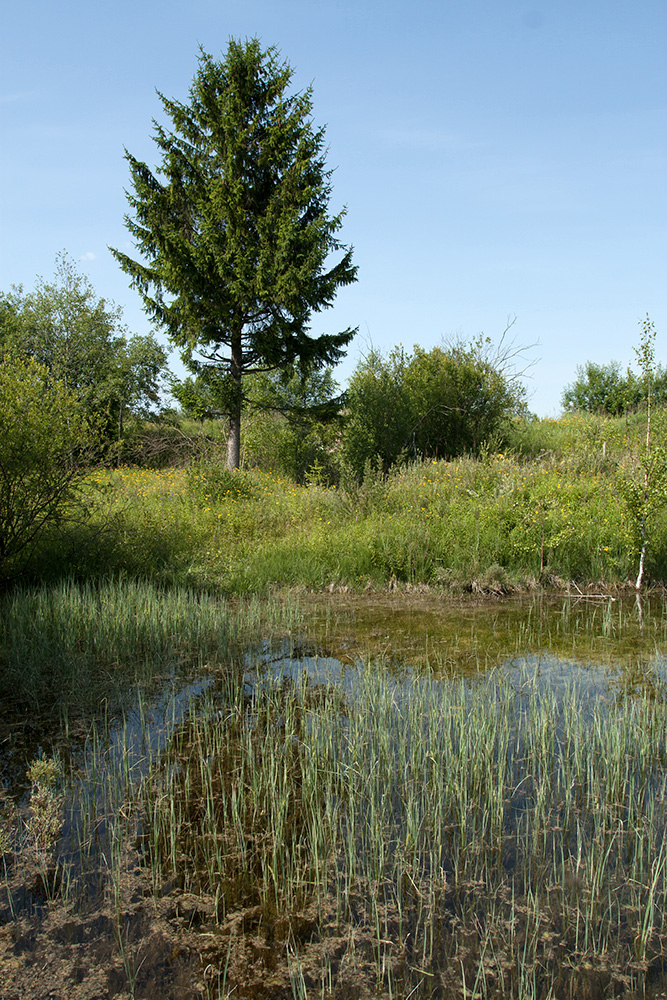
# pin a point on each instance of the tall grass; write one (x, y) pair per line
(548, 511)
(585, 440)
(71, 644)
(497, 523)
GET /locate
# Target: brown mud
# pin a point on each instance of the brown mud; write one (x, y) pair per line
(173, 946)
(177, 946)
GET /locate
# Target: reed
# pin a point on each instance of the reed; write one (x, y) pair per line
(498, 828)
(498, 835)
(74, 644)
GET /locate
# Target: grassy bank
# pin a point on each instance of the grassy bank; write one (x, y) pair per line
(497, 523)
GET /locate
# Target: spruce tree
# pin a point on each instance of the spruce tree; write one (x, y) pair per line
(234, 229)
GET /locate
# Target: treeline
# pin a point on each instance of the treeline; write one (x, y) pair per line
(400, 406)
(457, 399)
(608, 389)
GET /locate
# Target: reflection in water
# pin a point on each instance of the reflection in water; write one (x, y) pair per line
(618, 643)
(390, 687)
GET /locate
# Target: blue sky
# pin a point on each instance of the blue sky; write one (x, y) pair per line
(497, 159)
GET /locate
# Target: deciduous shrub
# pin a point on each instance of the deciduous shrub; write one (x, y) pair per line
(45, 442)
(439, 404)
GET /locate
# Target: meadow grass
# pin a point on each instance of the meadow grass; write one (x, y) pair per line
(583, 439)
(495, 524)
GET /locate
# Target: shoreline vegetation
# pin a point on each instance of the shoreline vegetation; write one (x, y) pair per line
(553, 510)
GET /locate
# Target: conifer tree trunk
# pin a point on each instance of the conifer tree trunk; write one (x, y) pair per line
(234, 440)
(236, 403)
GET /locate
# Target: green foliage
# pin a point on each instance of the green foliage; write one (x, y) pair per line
(45, 439)
(204, 396)
(291, 418)
(556, 513)
(436, 523)
(293, 424)
(235, 228)
(212, 483)
(607, 389)
(439, 403)
(82, 342)
(141, 366)
(380, 415)
(642, 483)
(10, 308)
(300, 450)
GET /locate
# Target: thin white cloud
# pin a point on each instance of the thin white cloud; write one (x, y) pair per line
(88, 255)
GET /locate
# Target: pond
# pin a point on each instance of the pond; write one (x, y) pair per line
(373, 797)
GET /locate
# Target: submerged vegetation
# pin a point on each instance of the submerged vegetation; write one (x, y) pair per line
(280, 825)
(495, 840)
(230, 816)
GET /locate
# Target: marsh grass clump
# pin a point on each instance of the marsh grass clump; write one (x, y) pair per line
(489, 839)
(69, 646)
(241, 811)
(46, 802)
(29, 837)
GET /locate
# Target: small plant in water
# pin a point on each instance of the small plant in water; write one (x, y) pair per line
(43, 825)
(9, 819)
(46, 803)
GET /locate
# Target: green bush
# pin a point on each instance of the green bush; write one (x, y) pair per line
(607, 389)
(431, 404)
(45, 442)
(81, 339)
(292, 425)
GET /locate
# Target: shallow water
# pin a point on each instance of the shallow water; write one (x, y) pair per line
(418, 630)
(617, 645)
(612, 649)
